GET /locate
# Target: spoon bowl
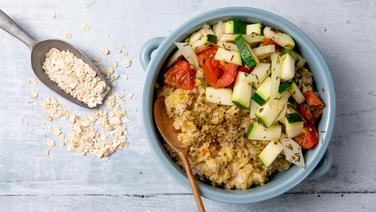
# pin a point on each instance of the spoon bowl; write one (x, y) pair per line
(170, 135)
(165, 126)
(38, 55)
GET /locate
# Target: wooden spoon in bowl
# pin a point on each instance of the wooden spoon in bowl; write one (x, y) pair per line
(170, 135)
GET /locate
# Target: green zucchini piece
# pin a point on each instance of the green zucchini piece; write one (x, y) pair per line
(269, 112)
(258, 99)
(242, 92)
(284, 86)
(259, 74)
(236, 26)
(280, 38)
(264, 51)
(293, 128)
(221, 96)
(270, 153)
(228, 56)
(263, 92)
(258, 132)
(253, 108)
(296, 93)
(211, 38)
(288, 67)
(254, 29)
(246, 52)
(294, 117)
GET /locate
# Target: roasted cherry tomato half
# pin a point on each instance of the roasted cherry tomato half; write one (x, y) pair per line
(309, 137)
(245, 69)
(205, 54)
(181, 75)
(311, 109)
(218, 74)
(267, 41)
(312, 99)
(310, 113)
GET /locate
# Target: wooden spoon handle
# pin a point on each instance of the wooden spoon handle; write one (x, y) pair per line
(192, 180)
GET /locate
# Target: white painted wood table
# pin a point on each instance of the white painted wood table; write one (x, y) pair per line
(133, 179)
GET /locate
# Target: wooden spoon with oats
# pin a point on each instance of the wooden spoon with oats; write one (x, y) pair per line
(170, 135)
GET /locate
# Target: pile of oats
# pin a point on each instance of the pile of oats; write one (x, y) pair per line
(75, 77)
(101, 132)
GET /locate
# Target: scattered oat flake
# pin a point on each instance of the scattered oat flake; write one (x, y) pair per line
(30, 101)
(115, 64)
(50, 143)
(31, 81)
(115, 76)
(34, 94)
(109, 70)
(68, 35)
(131, 96)
(100, 132)
(105, 51)
(96, 61)
(46, 151)
(61, 137)
(127, 62)
(56, 130)
(85, 27)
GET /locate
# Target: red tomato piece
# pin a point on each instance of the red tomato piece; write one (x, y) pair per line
(308, 138)
(217, 74)
(267, 41)
(310, 113)
(205, 54)
(181, 75)
(227, 75)
(312, 99)
(244, 69)
(211, 71)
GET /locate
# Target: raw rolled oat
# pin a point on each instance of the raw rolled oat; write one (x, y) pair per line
(75, 77)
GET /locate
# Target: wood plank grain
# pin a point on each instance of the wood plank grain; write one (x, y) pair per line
(311, 202)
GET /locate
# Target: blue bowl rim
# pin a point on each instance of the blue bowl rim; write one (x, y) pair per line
(209, 191)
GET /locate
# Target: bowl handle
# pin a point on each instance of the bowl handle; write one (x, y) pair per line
(147, 50)
(323, 167)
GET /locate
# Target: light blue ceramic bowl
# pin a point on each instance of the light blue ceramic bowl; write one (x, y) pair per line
(318, 160)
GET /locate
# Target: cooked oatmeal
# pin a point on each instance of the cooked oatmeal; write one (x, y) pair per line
(219, 152)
